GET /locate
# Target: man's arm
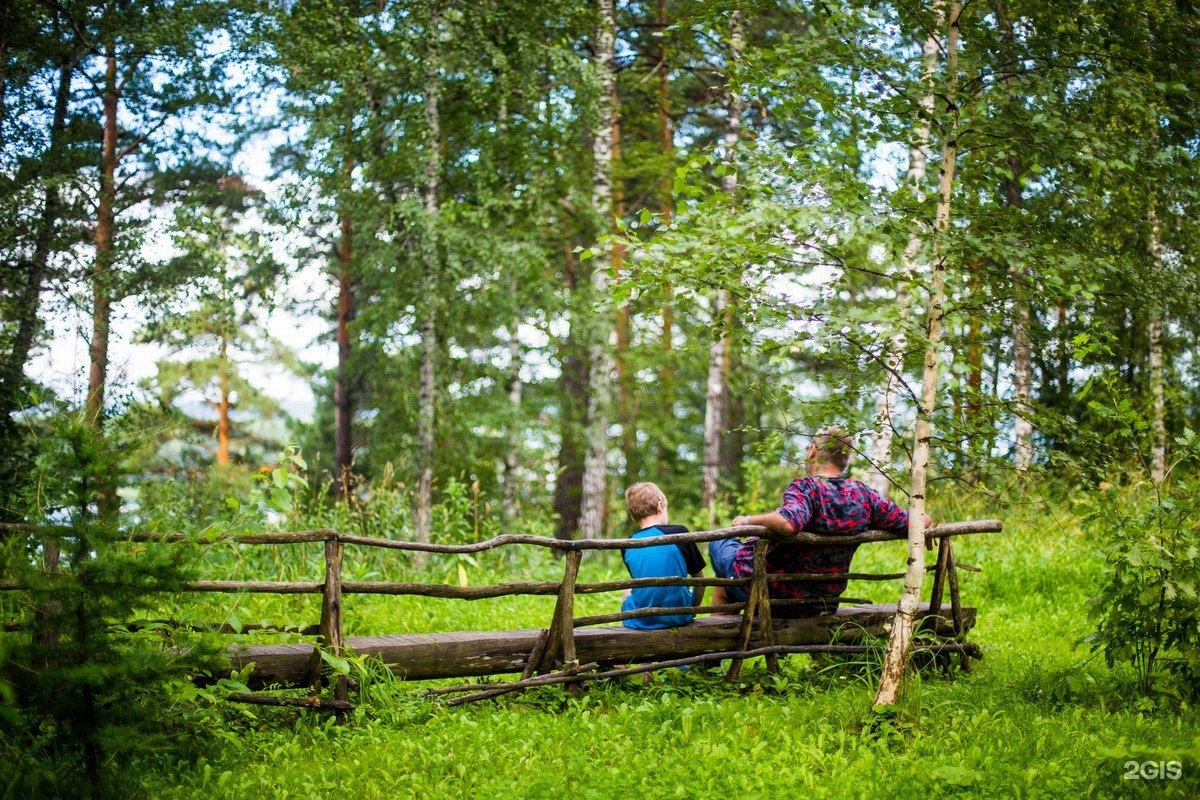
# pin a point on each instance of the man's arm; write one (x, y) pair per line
(774, 520)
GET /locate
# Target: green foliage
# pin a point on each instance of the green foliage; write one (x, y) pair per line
(1149, 610)
(89, 689)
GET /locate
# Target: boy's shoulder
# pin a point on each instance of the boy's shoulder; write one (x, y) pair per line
(660, 530)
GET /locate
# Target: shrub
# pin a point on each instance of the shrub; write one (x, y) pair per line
(1148, 612)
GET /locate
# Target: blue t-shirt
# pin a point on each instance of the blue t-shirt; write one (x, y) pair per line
(667, 561)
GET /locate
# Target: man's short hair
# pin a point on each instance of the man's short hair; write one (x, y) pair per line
(642, 500)
(834, 447)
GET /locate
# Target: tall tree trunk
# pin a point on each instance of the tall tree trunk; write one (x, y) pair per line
(343, 396)
(12, 371)
(513, 446)
(600, 366)
(223, 428)
(1154, 330)
(103, 239)
(1022, 349)
(666, 143)
(885, 427)
(429, 281)
(896, 659)
(626, 413)
(572, 391)
(715, 412)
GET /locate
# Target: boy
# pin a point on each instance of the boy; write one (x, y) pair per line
(825, 502)
(648, 507)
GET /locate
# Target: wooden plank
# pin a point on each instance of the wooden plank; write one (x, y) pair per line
(422, 656)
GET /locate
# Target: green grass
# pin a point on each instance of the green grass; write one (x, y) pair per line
(1037, 717)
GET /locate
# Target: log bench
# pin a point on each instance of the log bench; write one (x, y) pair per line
(574, 649)
(571, 648)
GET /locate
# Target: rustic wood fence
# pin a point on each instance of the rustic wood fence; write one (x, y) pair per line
(551, 655)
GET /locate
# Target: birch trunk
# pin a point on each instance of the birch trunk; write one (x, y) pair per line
(881, 448)
(1022, 349)
(716, 394)
(906, 611)
(626, 413)
(514, 411)
(591, 523)
(429, 246)
(1158, 424)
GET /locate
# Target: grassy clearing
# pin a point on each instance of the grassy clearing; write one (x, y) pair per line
(1036, 718)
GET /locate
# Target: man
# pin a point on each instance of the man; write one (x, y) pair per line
(823, 502)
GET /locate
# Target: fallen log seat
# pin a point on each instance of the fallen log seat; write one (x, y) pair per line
(424, 656)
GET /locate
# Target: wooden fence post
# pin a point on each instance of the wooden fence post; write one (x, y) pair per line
(758, 605)
(939, 577)
(560, 641)
(332, 637)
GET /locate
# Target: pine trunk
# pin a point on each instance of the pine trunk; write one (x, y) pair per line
(600, 366)
(429, 252)
(343, 397)
(13, 371)
(572, 392)
(223, 430)
(666, 143)
(103, 240)
(896, 659)
(885, 427)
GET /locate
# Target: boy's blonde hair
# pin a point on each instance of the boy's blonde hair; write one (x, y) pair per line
(642, 500)
(834, 447)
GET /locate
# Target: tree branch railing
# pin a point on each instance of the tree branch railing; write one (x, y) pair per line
(556, 646)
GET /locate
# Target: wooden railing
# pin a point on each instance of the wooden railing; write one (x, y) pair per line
(556, 645)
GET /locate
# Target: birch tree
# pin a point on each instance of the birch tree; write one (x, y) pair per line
(600, 364)
(896, 659)
(717, 388)
(885, 425)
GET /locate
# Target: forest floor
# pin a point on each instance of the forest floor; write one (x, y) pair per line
(1039, 716)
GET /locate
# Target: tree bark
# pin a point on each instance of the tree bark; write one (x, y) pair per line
(626, 412)
(885, 427)
(899, 642)
(715, 411)
(13, 371)
(666, 143)
(343, 396)
(600, 366)
(513, 447)
(429, 280)
(572, 391)
(1154, 330)
(103, 240)
(223, 430)
(1022, 349)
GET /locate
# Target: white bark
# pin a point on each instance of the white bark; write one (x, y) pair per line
(1022, 373)
(514, 410)
(906, 612)
(881, 447)
(1158, 424)
(715, 411)
(425, 401)
(595, 466)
